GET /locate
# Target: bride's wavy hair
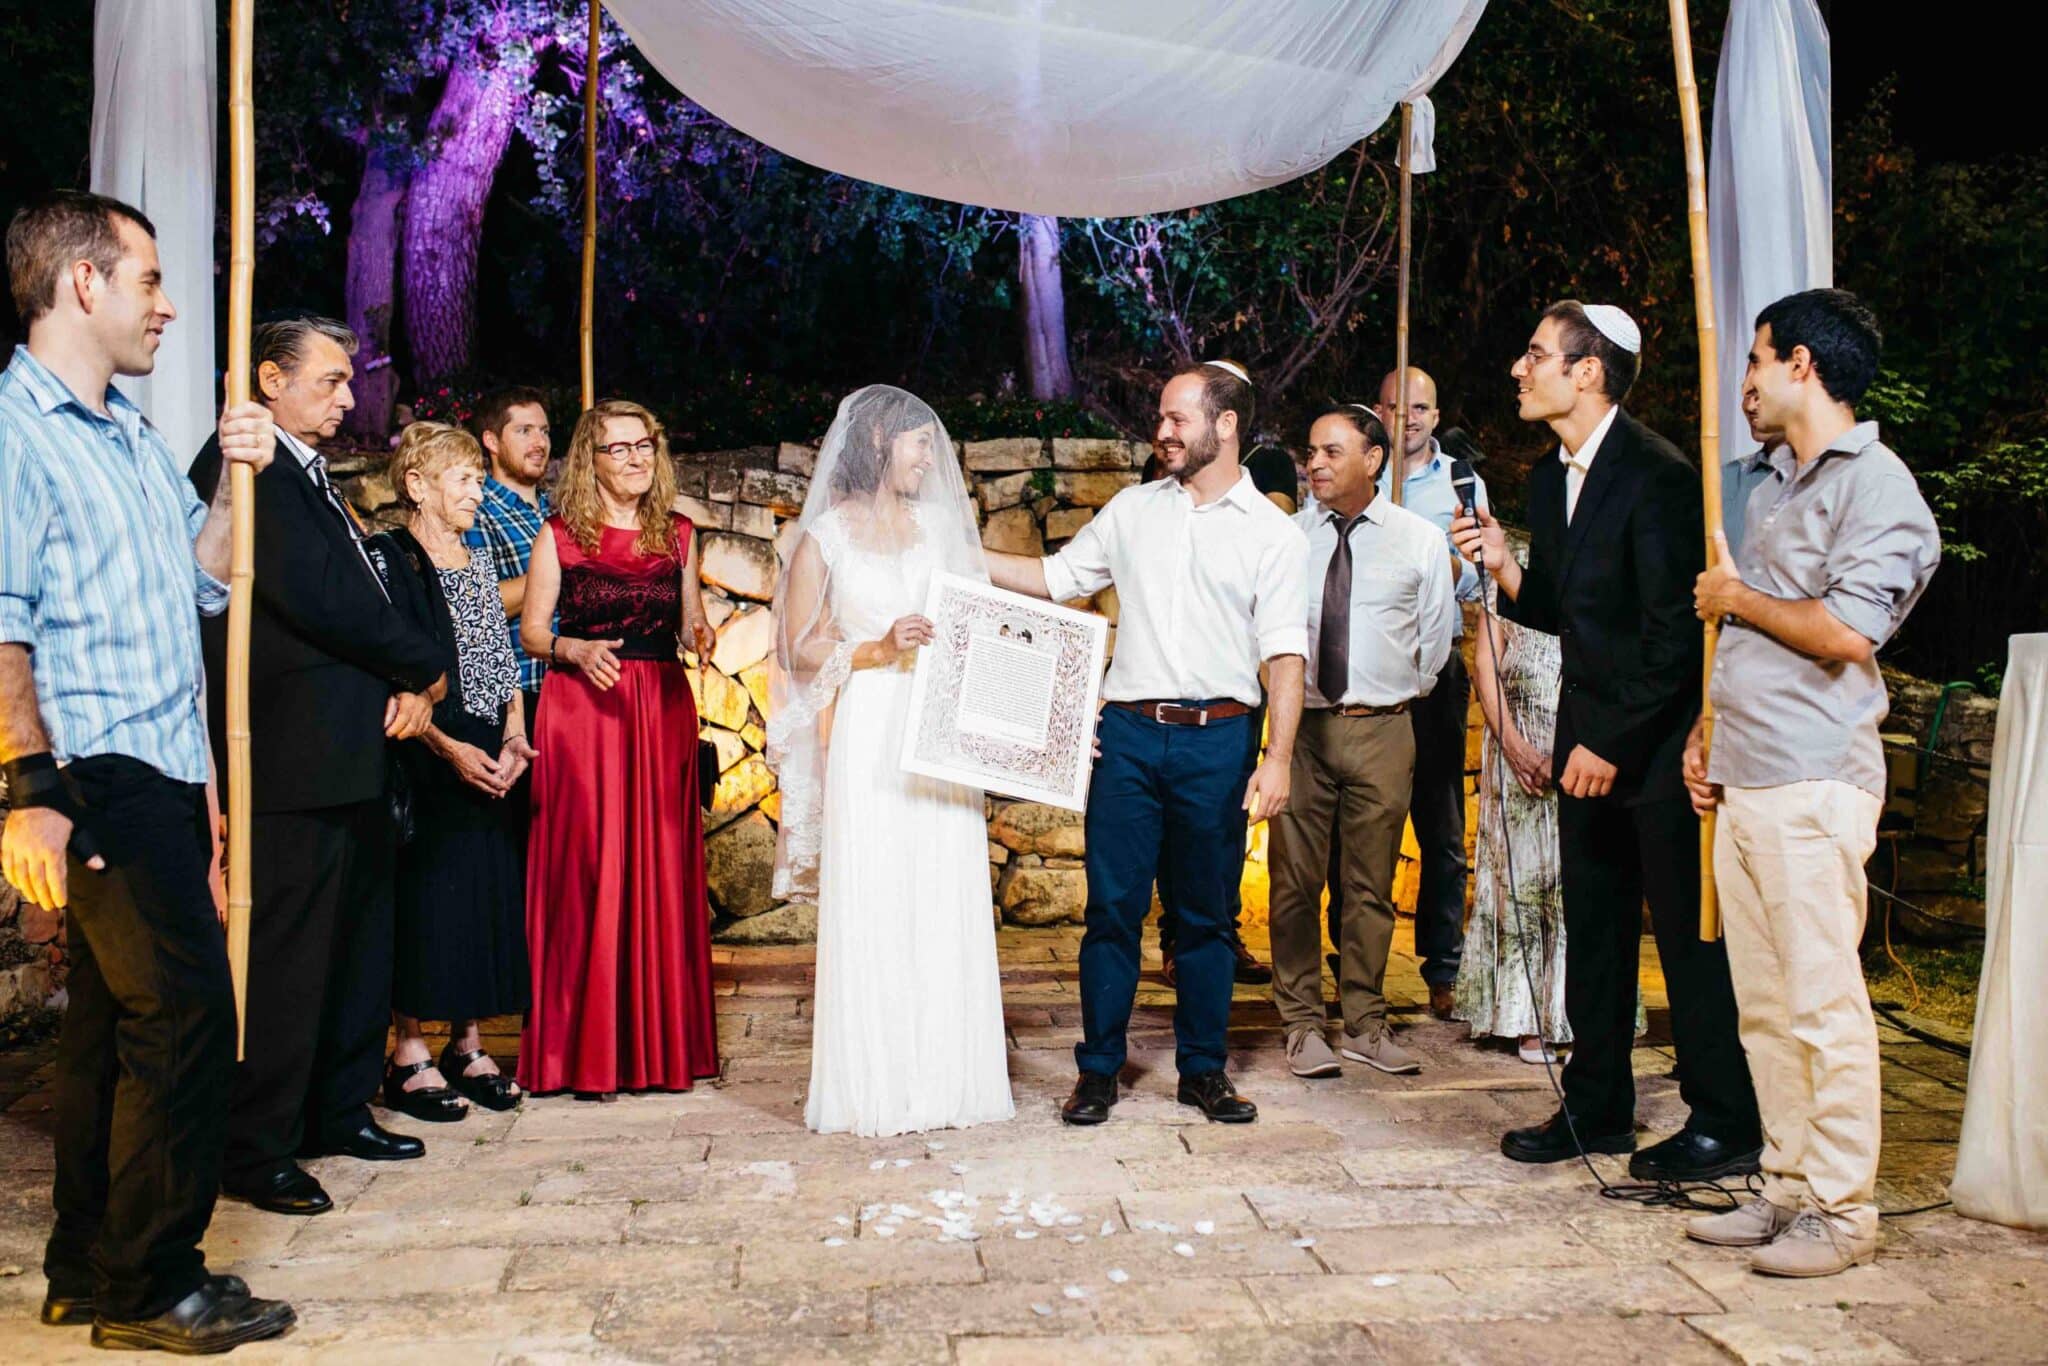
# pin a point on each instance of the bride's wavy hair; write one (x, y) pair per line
(576, 494)
(871, 431)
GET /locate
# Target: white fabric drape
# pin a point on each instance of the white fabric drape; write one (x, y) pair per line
(1066, 107)
(152, 147)
(2002, 1164)
(1770, 195)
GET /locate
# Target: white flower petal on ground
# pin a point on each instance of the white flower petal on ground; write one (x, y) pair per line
(1069, 1220)
(884, 1230)
(1108, 1227)
(835, 1242)
(1025, 1235)
(1304, 1242)
(1077, 1237)
(959, 1169)
(878, 1164)
(1117, 1275)
(1074, 1292)
(1205, 1227)
(936, 1147)
(1183, 1250)
(842, 1221)
(1385, 1281)
(902, 1161)
(1043, 1311)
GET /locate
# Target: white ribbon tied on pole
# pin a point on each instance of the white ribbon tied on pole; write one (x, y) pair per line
(1064, 107)
(1770, 194)
(154, 82)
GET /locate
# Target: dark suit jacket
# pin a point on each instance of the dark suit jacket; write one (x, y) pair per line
(1616, 586)
(326, 650)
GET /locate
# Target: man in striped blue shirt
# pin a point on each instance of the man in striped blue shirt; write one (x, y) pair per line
(106, 561)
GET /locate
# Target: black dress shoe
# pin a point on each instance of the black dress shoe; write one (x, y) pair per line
(433, 1104)
(492, 1090)
(1249, 970)
(1093, 1094)
(1213, 1094)
(217, 1317)
(68, 1311)
(1690, 1155)
(1551, 1141)
(289, 1190)
(373, 1143)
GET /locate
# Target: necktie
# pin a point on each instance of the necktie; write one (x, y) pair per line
(317, 467)
(1333, 644)
(1574, 481)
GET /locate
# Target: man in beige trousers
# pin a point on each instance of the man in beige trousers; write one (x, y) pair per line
(1838, 547)
(1381, 616)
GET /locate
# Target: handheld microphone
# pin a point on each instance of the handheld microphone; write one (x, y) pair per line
(1465, 486)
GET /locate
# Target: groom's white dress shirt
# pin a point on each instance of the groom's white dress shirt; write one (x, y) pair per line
(1205, 593)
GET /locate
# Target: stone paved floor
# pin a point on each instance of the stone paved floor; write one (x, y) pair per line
(1362, 1219)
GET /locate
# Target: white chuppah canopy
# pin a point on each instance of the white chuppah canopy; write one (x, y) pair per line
(153, 147)
(1770, 194)
(1067, 107)
(2002, 1163)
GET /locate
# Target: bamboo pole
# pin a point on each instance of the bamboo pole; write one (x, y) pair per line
(1710, 405)
(588, 333)
(242, 487)
(1399, 435)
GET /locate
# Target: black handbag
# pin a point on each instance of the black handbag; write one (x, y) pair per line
(707, 772)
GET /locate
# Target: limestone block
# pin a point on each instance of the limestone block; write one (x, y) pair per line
(744, 641)
(793, 457)
(795, 923)
(1033, 828)
(755, 737)
(741, 565)
(749, 519)
(1013, 531)
(742, 785)
(690, 476)
(756, 681)
(739, 866)
(1094, 453)
(1061, 523)
(1003, 491)
(731, 748)
(721, 701)
(721, 483)
(1009, 453)
(704, 516)
(1091, 488)
(1043, 896)
(997, 854)
(771, 488)
(771, 806)
(717, 608)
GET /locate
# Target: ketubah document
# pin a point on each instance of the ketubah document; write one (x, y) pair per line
(1004, 697)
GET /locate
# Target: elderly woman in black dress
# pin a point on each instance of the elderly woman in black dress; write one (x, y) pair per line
(461, 953)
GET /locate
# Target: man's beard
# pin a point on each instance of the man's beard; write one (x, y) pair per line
(1198, 454)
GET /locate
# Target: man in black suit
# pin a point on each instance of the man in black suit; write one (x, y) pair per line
(1615, 541)
(333, 671)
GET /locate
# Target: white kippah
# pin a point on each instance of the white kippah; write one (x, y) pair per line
(1231, 367)
(1617, 326)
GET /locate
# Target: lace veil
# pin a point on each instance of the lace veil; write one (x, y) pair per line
(866, 498)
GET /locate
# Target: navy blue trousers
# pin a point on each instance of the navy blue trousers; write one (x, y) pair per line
(1165, 806)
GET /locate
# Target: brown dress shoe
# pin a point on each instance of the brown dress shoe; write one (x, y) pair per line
(1440, 1001)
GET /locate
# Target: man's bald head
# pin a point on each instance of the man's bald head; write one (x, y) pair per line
(1422, 410)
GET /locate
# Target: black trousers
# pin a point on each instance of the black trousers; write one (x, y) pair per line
(320, 950)
(1613, 857)
(147, 1048)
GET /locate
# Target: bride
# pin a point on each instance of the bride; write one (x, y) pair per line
(908, 1031)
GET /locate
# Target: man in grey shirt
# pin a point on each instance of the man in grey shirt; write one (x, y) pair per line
(1839, 547)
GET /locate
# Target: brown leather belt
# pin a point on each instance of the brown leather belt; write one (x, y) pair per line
(1366, 709)
(1181, 714)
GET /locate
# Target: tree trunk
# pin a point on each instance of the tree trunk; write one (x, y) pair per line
(1042, 307)
(444, 207)
(372, 291)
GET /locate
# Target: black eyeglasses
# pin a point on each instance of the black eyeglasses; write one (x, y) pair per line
(619, 450)
(1536, 356)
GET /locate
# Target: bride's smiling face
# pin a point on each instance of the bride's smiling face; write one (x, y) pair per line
(910, 459)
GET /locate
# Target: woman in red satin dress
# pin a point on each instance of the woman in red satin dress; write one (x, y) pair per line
(617, 924)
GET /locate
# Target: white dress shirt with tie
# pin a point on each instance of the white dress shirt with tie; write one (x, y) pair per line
(1205, 593)
(1403, 611)
(1577, 466)
(315, 465)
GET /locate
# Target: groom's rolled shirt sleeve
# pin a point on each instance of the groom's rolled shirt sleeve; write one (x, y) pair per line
(1080, 568)
(1280, 605)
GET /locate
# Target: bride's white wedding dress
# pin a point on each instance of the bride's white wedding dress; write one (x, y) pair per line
(908, 1032)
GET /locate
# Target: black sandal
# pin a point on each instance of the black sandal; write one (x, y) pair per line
(434, 1104)
(492, 1090)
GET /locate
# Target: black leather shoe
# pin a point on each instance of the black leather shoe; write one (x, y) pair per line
(1093, 1095)
(1249, 970)
(289, 1190)
(68, 1311)
(1213, 1094)
(374, 1143)
(217, 1317)
(433, 1104)
(1690, 1155)
(1551, 1141)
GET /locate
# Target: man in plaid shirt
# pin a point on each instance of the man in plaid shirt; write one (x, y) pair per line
(512, 424)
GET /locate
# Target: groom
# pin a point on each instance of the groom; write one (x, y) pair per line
(1211, 577)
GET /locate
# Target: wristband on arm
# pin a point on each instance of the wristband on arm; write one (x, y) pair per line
(34, 780)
